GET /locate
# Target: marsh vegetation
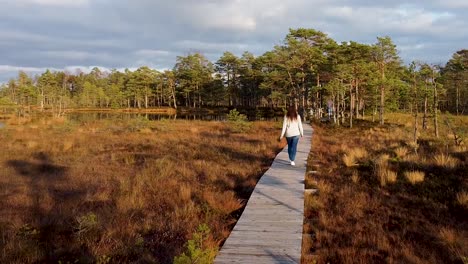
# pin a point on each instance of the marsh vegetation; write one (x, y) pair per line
(383, 198)
(119, 191)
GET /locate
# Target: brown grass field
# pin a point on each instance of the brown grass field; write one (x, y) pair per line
(135, 191)
(384, 199)
(114, 191)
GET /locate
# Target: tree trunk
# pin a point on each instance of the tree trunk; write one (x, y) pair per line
(356, 106)
(457, 98)
(174, 97)
(424, 125)
(351, 103)
(436, 126)
(382, 104)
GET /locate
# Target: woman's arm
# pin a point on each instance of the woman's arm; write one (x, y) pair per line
(284, 127)
(301, 130)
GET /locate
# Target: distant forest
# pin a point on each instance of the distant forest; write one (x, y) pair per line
(308, 69)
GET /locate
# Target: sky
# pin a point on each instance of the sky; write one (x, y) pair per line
(36, 35)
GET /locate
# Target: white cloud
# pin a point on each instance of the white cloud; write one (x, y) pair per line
(200, 46)
(68, 54)
(152, 53)
(401, 19)
(10, 68)
(411, 47)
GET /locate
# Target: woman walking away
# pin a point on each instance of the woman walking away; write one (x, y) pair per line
(292, 129)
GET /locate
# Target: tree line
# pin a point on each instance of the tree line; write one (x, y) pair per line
(309, 69)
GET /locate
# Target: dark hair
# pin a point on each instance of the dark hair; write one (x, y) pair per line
(292, 113)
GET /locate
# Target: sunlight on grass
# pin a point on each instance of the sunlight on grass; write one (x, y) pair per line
(124, 187)
(414, 176)
(342, 230)
(386, 175)
(401, 152)
(351, 156)
(445, 160)
(451, 239)
(462, 199)
(349, 160)
(355, 176)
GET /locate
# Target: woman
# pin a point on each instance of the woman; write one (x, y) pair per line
(292, 129)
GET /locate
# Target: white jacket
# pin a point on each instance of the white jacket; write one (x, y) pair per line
(292, 128)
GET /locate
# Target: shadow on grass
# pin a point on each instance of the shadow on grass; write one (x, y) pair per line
(50, 229)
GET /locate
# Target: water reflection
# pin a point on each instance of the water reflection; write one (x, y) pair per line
(90, 116)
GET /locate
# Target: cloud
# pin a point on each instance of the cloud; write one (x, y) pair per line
(452, 3)
(118, 34)
(152, 53)
(10, 68)
(62, 3)
(402, 19)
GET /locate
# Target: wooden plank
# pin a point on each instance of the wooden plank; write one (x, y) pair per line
(270, 228)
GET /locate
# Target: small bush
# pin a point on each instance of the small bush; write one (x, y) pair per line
(196, 251)
(86, 224)
(238, 121)
(235, 116)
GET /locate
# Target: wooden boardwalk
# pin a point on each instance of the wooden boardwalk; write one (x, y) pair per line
(270, 228)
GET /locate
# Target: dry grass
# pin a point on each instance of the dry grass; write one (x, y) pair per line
(362, 218)
(382, 171)
(386, 176)
(351, 157)
(401, 152)
(128, 191)
(349, 160)
(414, 176)
(462, 199)
(355, 176)
(450, 239)
(444, 160)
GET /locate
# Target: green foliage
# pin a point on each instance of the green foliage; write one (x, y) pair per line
(27, 231)
(86, 224)
(236, 116)
(196, 251)
(308, 68)
(6, 102)
(138, 123)
(237, 121)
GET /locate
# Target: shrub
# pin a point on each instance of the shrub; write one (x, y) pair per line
(235, 116)
(196, 251)
(238, 121)
(86, 224)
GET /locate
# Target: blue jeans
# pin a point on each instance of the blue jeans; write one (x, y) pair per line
(292, 147)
